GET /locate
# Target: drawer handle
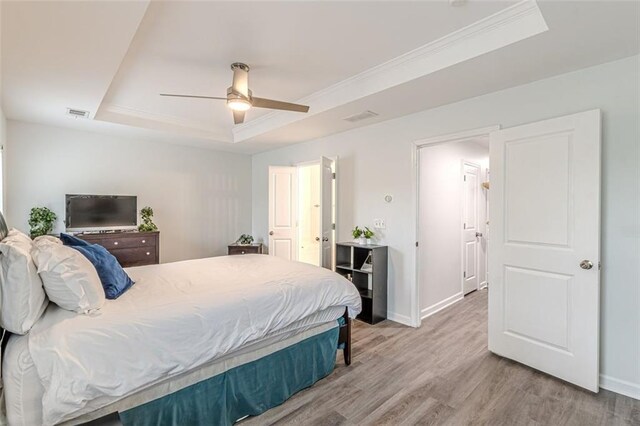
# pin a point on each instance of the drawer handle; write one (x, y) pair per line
(115, 243)
(144, 241)
(148, 253)
(242, 252)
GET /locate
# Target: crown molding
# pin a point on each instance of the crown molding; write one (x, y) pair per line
(510, 25)
(155, 121)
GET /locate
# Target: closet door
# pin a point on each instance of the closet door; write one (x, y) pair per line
(283, 187)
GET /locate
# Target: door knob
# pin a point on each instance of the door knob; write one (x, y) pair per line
(586, 264)
(270, 232)
(325, 239)
(317, 238)
(478, 234)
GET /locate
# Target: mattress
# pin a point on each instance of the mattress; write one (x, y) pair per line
(177, 317)
(23, 390)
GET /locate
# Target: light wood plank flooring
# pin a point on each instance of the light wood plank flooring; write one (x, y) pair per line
(442, 373)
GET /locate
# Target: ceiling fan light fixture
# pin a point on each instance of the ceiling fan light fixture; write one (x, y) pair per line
(238, 104)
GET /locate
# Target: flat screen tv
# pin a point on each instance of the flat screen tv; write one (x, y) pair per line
(101, 212)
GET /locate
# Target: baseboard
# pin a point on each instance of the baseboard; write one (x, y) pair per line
(483, 285)
(441, 305)
(622, 387)
(402, 319)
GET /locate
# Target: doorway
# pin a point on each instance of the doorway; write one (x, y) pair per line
(309, 213)
(544, 249)
(452, 220)
(303, 212)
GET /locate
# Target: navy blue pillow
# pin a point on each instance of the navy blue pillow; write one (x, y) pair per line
(70, 240)
(115, 280)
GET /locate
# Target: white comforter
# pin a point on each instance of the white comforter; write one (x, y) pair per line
(176, 317)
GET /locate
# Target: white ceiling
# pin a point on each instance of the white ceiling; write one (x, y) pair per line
(114, 58)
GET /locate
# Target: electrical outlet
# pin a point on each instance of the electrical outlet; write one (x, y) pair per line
(379, 224)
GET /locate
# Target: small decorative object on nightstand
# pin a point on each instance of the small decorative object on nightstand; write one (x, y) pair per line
(365, 265)
(245, 248)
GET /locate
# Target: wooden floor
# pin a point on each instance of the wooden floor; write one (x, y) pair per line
(442, 373)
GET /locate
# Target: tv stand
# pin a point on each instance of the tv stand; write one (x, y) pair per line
(131, 248)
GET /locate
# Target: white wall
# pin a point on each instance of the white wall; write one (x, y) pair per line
(440, 220)
(201, 198)
(377, 160)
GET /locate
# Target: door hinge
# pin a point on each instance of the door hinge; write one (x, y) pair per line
(464, 178)
(333, 175)
(333, 226)
(464, 226)
(416, 244)
(599, 266)
(464, 274)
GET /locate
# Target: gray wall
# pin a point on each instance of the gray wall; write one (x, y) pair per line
(201, 198)
(377, 160)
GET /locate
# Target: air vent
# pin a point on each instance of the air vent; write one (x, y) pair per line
(360, 116)
(77, 113)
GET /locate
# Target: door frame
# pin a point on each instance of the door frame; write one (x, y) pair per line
(416, 319)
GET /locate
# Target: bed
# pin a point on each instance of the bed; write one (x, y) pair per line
(209, 340)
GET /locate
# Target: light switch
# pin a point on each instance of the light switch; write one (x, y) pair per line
(379, 224)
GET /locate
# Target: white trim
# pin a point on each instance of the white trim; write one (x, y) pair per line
(437, 307)
(622, 387)
(130, 116)
(483, 285)
(399, 318)
(505, 27)
(452, 137)
(415, 180)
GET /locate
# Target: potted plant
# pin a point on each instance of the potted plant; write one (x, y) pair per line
(358, 235)
(41, 221)
(368, 234)
(147, 225)
(244, 240)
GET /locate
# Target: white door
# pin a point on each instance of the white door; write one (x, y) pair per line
(470, 226)
(326, 212)
(544, 254)
(283, 187)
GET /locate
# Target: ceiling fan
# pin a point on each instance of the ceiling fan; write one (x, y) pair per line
(240, 99)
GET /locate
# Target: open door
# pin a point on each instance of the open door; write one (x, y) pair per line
(326, 233)
(544, 254)
(470, 226)
(283, 185)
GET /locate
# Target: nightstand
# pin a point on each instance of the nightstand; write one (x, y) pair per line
(245, 249)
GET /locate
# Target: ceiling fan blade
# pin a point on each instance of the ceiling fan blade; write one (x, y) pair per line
(272, 104)
(240, 80)
(238, 117)
(192, 96)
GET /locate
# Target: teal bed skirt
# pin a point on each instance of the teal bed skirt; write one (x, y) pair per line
(247, 390)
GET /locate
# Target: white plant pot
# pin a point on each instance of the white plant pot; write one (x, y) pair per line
(362, 240)
(368, 241)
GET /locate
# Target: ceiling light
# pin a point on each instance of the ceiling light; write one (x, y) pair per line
(238, 104)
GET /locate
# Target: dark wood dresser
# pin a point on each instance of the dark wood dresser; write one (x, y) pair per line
(130, 248)
(246, 248)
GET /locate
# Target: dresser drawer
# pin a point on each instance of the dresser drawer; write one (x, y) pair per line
(127, 242)
(248, 249)
(137, 256)
(130, 248)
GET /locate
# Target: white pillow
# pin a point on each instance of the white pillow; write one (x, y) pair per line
(49, 238)
(69, 279)
(23, 299)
